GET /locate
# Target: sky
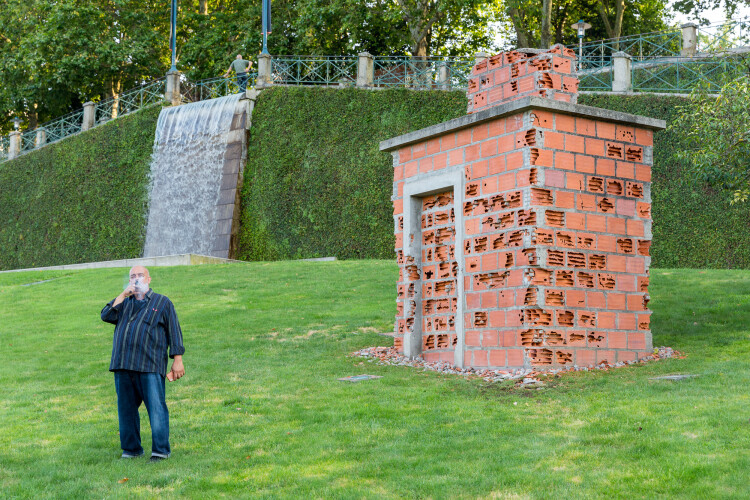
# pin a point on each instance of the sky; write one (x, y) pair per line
(714, 16)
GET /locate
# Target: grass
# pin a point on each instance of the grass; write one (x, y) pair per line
(261, 414)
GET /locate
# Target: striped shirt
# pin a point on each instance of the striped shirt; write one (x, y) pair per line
(143, 334)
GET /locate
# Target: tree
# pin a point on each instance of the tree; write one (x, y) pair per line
(716, 131)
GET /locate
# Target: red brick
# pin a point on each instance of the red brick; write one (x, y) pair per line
(644, 137)
(586, 202)
(625, 133)
(635, 265)
(574, 143)
(616, 301)
(616, 225)
(616, 263)
(625, 356)
(594, 147)
(455, 157)
(505, 298)
(625, 170)
(554, 140)
(625, 207)
(563, 199)
(489, 185)
(432, 146)
(479, 133)
(404, 154)
(480, 358)
(506, 143)
(506, 182)
(617, 340)
(497, 357)
(643, 173)
(605, 320)
(635, 302)
(497, 165)
(418, 151)
(585, 127)
(564, 160)
(515, 357)
(608, 356)
(585, 164)
(597, 223)
(605, 130)
(513, 123)
(542, 119)
(472, 339)
(398, 172)
(626, 283)
(488, 262)
(585, 357)
(497, 127)
(489, 339)
(509, 338)
(565, 123)
(425, 165)
(471, 153)
(463, 138)
(472, 301)
(489, 148)
(575, 298)
(411, 169)
(489, 300)
(595, 300)
(573, 181)
(439, 161)
(400, 189)
(514, 160)
(575, 221)
(398, 206)
(447, 142)
(626, 321)
(479, 169)
(634, 228)
(605, 167)
(431, 357)
(606, 243)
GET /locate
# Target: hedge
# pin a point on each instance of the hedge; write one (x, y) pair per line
(694, 225)
(82, 199)
(316, 183)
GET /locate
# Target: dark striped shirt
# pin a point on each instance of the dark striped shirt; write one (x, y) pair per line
(143, 334)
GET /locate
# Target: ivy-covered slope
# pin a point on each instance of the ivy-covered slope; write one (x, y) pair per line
(82, 199)
(316, 183)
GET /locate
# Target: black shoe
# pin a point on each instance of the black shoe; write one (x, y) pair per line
(156, 458)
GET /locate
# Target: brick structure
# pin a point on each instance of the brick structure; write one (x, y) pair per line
(523, 228)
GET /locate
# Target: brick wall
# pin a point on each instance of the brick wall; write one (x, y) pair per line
(549, 266)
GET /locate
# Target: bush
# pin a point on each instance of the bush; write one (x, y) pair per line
(82, 199)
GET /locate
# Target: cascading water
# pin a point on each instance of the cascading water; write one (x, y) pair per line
(186, 175)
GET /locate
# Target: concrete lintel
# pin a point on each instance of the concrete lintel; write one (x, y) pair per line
(519, 106)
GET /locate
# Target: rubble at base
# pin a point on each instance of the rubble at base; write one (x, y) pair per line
(528, 376)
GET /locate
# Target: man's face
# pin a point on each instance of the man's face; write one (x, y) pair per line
(140, 278)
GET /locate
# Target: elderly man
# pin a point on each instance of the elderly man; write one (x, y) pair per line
(240, 67)
(146, 326)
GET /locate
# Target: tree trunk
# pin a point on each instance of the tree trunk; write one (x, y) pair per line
(203, 7)
(546, 20)
(521, 35)
(616, 30)
(33, 117)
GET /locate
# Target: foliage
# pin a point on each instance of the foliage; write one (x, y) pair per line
(724, 161)
(81, 199)
(260, 412)
(316, 183)
(694, 224)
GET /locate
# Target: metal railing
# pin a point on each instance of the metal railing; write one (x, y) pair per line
(211, 88)
(422, 73)
(314, 70)
(132, 100)
(64, 126)
(684, 75)
(4, 147)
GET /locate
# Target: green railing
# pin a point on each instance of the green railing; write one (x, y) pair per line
(64, 126)
(211, 88)
(314, 70)
(422, 73)
(132, 100)
(724, 36)
(684, 75)
(28, 141)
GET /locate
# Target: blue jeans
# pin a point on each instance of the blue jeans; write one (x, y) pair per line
(242, 81)
(132, 389)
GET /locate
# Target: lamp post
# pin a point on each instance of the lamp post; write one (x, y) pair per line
(581, 27)
(16, 123)
(173, 36)
(266, 24)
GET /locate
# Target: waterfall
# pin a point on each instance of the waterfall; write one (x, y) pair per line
(186, 176)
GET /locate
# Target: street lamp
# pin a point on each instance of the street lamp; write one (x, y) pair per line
(173, 36)
(16, 123)
(581, 27)
(266, 24)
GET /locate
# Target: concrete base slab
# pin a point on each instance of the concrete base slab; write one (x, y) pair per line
(186, 259)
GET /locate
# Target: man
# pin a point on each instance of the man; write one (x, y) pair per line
(240, 67)
(146, 326)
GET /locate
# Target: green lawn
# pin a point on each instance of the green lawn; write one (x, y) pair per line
(261, 414)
